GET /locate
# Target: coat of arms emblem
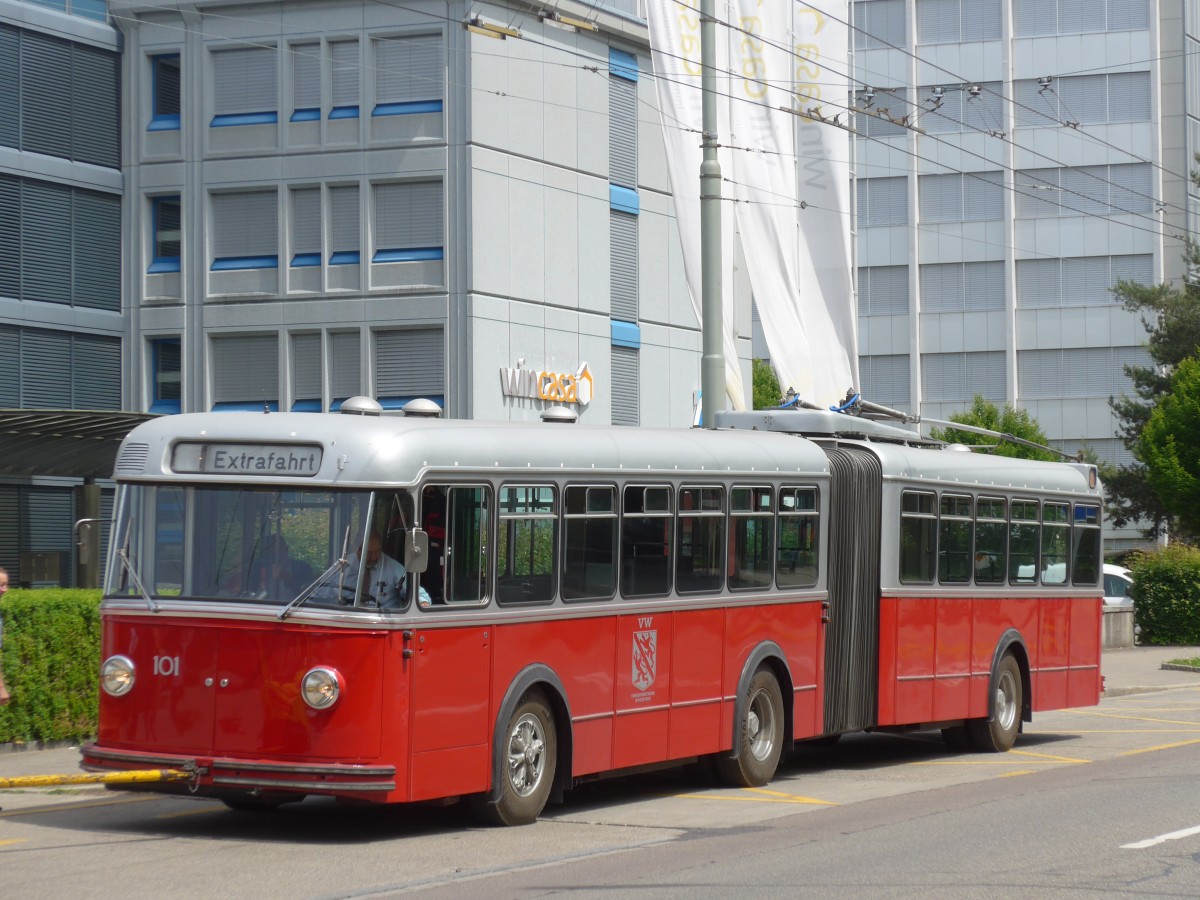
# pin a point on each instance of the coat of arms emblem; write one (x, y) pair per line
(645, 658)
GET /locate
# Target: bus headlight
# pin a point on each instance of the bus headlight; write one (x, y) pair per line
(321, 687)
(116, 675)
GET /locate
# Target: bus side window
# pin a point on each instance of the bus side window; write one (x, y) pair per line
(700, 556)
(1056, 538)
(796, 553)
(752, 543)
(465, 572)
(991, 540)
(918, 536)
(525, 545)
(589, 570)
(1085, 545)
(955, 528)
(646, 525)
(1024, 534)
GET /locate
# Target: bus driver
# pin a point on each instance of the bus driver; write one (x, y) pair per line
(382, 578)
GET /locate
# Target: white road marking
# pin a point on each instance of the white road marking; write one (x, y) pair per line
(1162, 838)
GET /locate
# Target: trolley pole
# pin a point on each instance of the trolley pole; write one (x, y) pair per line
(712, 365)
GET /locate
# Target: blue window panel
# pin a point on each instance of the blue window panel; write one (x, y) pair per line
(230, 263)
(624, 200)
(626, 334)
(166, 407)
(622, 64)
(306, 259)
(165, 213)
(307, 115)
(344, 258)
(344, 112)
(90, 9)
(244, 406)
(409, 255)
(306, 406)
(163, 265)
(258, 118)
(398, 402)
(407, 109)
(164, 123)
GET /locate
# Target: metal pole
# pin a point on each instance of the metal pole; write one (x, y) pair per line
(712, 366)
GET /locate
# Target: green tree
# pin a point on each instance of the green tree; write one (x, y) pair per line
(767, 394)
(1169, 447)
(1009, 421)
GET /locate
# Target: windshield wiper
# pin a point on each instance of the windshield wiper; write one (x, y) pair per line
(137, 581)
(339, 565)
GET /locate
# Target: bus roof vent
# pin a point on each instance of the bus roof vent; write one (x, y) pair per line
(559, 414)
(422, 408)
(361, 406)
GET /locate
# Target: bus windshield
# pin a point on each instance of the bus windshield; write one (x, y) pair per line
(254, 544)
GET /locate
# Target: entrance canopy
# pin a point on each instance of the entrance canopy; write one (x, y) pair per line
(75, 443)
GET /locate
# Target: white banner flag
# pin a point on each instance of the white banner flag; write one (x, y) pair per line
(675, 46)
(780, 54)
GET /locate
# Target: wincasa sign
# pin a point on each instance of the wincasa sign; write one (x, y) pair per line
(553, 387)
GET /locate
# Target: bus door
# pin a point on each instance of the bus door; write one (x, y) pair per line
(450, 664)
(852, 635)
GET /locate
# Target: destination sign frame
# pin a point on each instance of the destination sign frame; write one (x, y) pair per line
(224, 458)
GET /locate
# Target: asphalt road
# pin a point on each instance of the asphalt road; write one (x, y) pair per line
(1091, 802)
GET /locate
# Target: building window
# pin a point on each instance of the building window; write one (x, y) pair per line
(879, 24)
(951, 377)
(245, 372)
(344, 57)
(886, 380)
(962, 287)
(883, 291)
(1083, 191)
(409, 74)
(245, 231)
(245, 86)
(343, 214)
(306, 226)
(306, 82)
(953, 21)
(409, 363)
(622, 118)
(882, 201)
(165, 85)
(962, 197)
(165, 219)
(167, 373)
(408, 221)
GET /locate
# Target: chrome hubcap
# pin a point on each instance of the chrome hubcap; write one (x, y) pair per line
(526, 755)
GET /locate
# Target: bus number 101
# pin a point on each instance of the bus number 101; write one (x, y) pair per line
(166, 665)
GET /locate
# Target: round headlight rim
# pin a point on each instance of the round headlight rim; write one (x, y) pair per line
(130, 674)
(333, 679)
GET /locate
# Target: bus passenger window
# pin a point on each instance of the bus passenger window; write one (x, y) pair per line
(465, 572)
(752, 548)
(1023, 540)
(700, 558)
(1056, 535)
(796, 552)
(590, 543)
(646, 526)
(954, 540)
(1085, 545)
(525, 544)
(991, 540)
(918, 536)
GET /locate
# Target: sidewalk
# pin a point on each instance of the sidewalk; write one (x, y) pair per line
(1138, 670)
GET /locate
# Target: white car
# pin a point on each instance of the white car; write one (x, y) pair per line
(1117, 582)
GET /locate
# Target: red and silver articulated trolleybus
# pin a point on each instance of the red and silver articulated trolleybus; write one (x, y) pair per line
(574, 601)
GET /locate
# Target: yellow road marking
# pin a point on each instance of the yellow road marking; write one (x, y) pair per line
(1160, 747)
(70, 806)
(1129, 731)
(5, 843)
(1069, 759)
(1088, 712)
(985, 762)
(742, 798)
(794, 798)
(1018, 772)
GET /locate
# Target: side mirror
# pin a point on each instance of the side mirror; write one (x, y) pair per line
(416, 551)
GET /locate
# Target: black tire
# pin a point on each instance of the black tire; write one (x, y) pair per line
(956, 738)
(759, 741)
(998, 732)
(252, 804)
(529, 757)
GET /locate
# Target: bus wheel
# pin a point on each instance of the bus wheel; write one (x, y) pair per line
(999, 734)
(760, 736)
(530, 754)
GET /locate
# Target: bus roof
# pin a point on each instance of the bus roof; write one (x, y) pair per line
(372, 450)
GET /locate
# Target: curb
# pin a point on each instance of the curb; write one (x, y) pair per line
(1179, 667)
(30, 746)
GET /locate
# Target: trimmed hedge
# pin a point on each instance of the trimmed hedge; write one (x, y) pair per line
(51, 662)
(1166, 595)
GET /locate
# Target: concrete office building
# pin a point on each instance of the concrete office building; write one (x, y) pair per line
(1057, 139)
(61, 323)
(457, 200)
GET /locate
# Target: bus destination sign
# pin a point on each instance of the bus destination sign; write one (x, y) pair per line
(284, 460)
